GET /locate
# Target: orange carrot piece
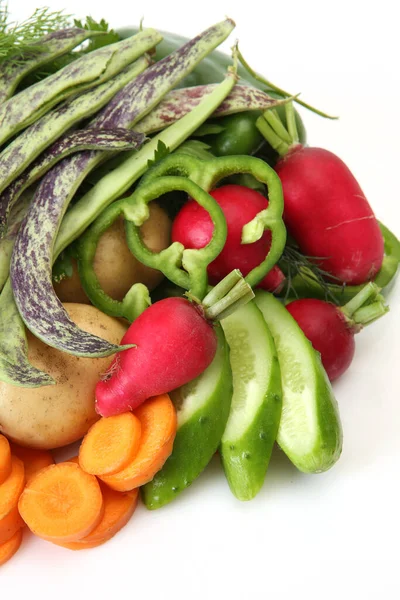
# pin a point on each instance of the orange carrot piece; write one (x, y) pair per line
(5, 458)
(9, 548)
(62, 503)
(110, 444)
(10, 524)
(118, 509)
(11, 489)
(82, 545)
(158, 418)
(34, 460)
(74, 459)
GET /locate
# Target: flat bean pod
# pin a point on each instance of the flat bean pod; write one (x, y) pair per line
(50, 47)
(20, 154)
(86, 72)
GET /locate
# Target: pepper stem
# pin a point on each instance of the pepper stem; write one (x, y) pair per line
(367, 306)
(227, 296)
(274, 140)
(291, 123)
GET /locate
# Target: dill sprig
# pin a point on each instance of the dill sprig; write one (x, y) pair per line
(297, 265)
(17, 40)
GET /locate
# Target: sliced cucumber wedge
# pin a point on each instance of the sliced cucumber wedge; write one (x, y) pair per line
(253, 421)
(310, 432)
(203, 408)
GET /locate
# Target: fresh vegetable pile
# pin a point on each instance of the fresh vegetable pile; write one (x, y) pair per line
(180, 274)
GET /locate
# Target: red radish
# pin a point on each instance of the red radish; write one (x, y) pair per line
(193, 227)
(331, 328)
(328, 215)
(174, 342)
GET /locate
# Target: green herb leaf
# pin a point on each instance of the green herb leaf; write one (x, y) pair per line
(63, 266)
(110, 36)
(161, 152)
(19, 39)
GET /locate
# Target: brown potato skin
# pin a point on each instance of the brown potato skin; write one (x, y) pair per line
(56, 415)
(114, 264)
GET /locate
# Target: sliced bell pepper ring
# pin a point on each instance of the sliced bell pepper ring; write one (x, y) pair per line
(186, 268)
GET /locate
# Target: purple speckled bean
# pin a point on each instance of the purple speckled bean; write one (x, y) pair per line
(178, 103)
(50, 47)
(27, 255)
(31, 269)
(17, 156)
(86, 72)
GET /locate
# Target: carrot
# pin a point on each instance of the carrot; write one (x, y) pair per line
(34, 460)
(5, 458)
(9, 548)
(110, 444)
(84, 546)
(62, 503)
(74, 459)
(10, 524)
(118, 509)
(158, 419)
(11, 489)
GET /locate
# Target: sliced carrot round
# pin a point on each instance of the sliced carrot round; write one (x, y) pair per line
(158, 419)
(9, 548)
(110, 444)
(118, 509)
(5, 458)
(82, 545)
(62, 503)
(12, 487)
(10, 524)
(34, 460)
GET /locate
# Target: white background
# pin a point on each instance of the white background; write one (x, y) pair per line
(326, 536)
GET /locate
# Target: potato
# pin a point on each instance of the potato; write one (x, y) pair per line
(57, 415)
(114, 264)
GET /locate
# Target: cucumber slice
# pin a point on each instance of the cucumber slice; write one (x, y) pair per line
(253, 422)
(203, 408)
(310, 432)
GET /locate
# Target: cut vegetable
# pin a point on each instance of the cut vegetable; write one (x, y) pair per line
(158, 419)
(310, 431)
(118, 509)
(52, 325)
(110, 444)
(88, 71)
(253, 422)
(11, 488)
(34, 460)
(10, 524)
(5, 459)
(62, 503)
(202, 409)
(8, 549)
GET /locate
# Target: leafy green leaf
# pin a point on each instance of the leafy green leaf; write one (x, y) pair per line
(18, 39)
(110, 36)
(161, 152)
(63, 267)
